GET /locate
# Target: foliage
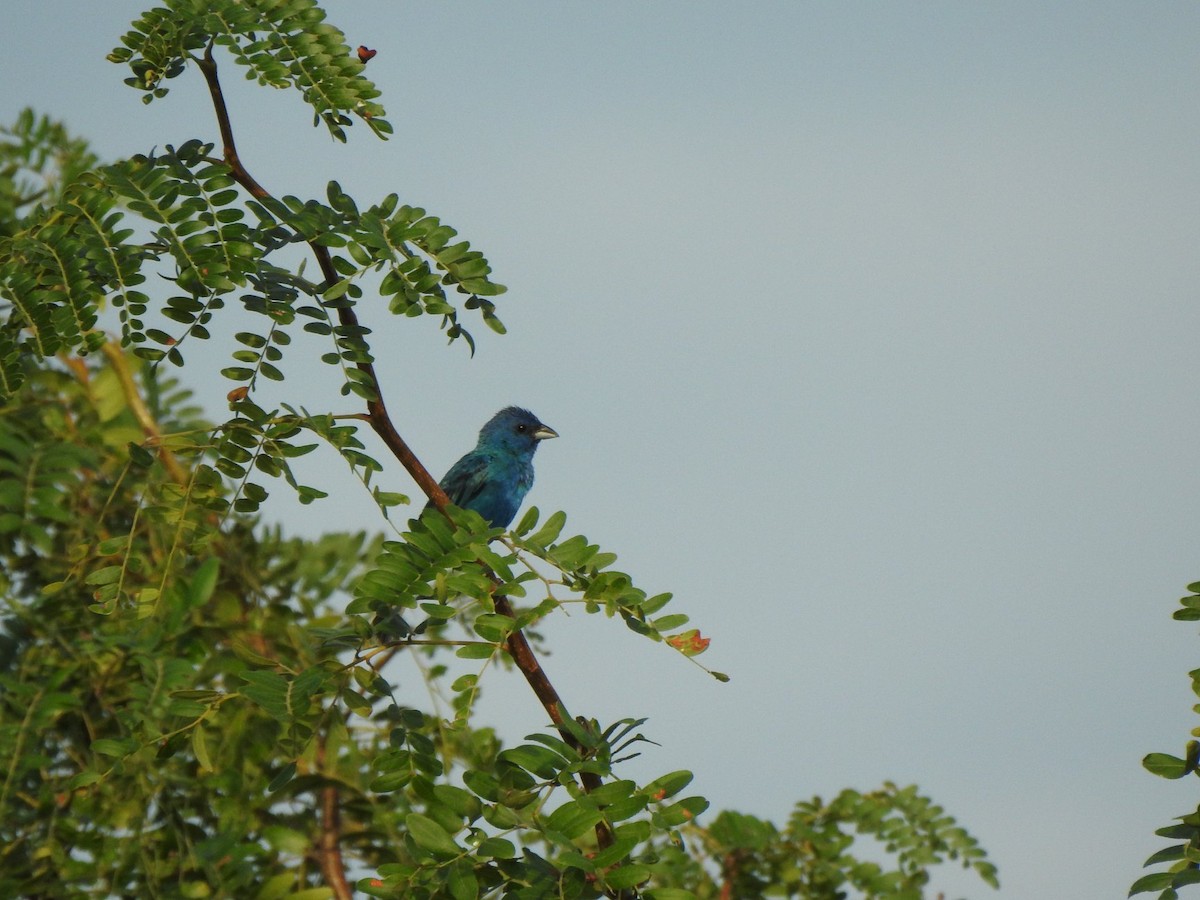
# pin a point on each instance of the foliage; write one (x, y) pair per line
(284, 43)
(36, 157)
(811, 857)
(1182, 860)
(142, 647)
(193, 704)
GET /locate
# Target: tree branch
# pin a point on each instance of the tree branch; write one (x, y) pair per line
(329, 844)
(377, 413)
(208, 67)
(381, 422)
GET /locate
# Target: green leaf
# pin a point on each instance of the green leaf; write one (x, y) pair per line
(496, 848)
(462, 882)
(669, 623)
(431, 836)
(680, 813)
(1167, 854)
(282, 777)
(204, 582)
(611, 792)
(574, 818)
(338, 289)
(1156, 882)
(477, 651)
(654, 604)
(286, 839)
(668, 786)
(106, 575)
(113, 545)
(527, 522)
(620, 810)
(390, 781)
(460, 802)
(357, 703)
(538, 760)
(627, 876)
(1180, 832)
(1185, 877)
(1165, 765)
(269, 690)
(316, 893)
(200, 749)
(114, 747)
(83, 779)
(622, 846)
(549, 531)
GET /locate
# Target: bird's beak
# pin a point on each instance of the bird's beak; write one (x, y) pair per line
(544, 432)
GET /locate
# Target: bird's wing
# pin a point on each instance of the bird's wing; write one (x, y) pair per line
(466, 479)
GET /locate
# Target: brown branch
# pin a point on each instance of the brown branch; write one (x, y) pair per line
(731, 863)
(381, 422)
(208, 67)
(377, 413)
(329, 844)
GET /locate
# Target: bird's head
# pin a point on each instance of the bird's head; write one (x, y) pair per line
(515, 430)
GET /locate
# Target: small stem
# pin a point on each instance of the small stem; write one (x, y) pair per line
(141, 412)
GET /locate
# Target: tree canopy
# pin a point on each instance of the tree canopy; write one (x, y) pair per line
(195, 704)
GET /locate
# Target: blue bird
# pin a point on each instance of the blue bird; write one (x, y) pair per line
(494, 478)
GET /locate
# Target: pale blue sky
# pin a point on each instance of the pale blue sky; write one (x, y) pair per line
(869, 332)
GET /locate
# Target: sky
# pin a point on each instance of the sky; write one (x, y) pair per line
(868, 331)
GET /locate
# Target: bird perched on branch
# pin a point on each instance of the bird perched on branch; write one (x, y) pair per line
(494, 478)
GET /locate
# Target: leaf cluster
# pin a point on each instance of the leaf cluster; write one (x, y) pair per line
(68, 259)
(281, 43)
(37, 157)
(137, 755)
(1181, 860)
(816, 857)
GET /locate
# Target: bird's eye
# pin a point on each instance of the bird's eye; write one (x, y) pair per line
(522, 428)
